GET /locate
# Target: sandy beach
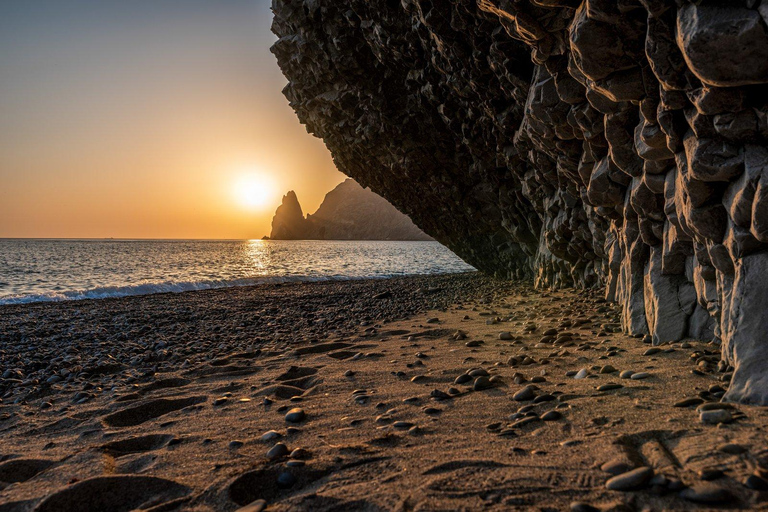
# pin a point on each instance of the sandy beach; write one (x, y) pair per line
(455, 392)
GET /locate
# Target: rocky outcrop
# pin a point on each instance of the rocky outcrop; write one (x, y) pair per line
(348, 212)
(614, 143)
(289, 222)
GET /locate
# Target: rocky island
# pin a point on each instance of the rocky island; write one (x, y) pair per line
(348, 212)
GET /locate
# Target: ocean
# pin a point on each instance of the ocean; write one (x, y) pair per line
(52, 270)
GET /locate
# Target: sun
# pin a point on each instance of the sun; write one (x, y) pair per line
(253, 190)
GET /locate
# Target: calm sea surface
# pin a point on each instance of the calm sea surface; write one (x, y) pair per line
(45, 270)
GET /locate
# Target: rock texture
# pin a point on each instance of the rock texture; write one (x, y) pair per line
(348, 212)
(615, 143)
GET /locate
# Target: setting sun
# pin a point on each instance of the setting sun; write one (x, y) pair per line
(253, 190)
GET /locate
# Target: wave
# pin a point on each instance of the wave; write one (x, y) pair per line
(170, 287)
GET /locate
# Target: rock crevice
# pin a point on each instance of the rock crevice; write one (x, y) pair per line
(586, 143)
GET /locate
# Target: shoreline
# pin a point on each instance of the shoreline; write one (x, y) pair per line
(420, 393)
(165, 288)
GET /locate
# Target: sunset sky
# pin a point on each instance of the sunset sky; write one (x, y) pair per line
(147, 119)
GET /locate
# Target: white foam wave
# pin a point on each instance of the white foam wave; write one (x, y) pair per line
(168, 287)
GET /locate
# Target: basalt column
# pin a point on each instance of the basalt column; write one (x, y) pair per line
(613, 143)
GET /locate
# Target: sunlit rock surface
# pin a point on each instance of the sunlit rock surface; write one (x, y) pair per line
(614, 143)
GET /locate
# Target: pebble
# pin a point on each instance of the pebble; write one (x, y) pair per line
(630, 480)
(626, 374)
(607, 369)
(295, 415)
(551, 416)
(506, 336)
(651, 351)
(581, 374)
(235, 444)
(688, 402)
(609, 387)
(277, 451)
(285, 480)
(525, 394)
(706, 492)
(716, 416)
(640, 375)
(482, 383)
(732, 448)
(756, 483)
(270, 435)
(300, 454)
(462, 379)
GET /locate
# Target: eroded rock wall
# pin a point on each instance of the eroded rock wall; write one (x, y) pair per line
(615, 143)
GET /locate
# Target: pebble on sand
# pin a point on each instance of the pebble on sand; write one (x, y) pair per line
(630, 480)
(706, 492)
(295, 415)
(716, 416)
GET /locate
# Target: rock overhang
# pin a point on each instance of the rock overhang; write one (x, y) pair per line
(587, 143)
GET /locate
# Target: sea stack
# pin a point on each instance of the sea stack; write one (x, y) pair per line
(348, 212)
(619, 145)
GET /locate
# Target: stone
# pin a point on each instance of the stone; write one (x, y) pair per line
(295, 415)
(277, 451)
(724, 46)
(631, 480)
(525, 394)
(706, 493)
(716, 416)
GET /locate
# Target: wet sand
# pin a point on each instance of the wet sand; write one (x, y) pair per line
(435, 393)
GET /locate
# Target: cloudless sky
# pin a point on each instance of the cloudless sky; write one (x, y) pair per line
(147, 119)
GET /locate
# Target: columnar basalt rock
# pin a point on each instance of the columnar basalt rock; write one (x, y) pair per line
(615, 143)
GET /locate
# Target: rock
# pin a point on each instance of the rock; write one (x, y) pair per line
(525, 394)
(482, 383)
(631, 480)
(581, 374)
(756, 483)
(716, 416)
(594, 144)
(295, 415)
(348, 212)
(640, 375)
(724, 46)
(270, 435)
(277, 451)
(506, 335)
(706, 493)
(551, 416)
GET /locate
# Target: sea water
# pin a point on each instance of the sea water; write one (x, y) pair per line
(49, 270)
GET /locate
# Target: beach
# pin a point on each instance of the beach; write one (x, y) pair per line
(455, 392)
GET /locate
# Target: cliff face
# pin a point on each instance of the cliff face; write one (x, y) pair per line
(348, 212)
(614, 143)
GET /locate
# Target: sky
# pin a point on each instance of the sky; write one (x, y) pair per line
(147, 119)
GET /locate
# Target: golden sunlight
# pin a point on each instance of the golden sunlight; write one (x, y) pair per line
(253, 190)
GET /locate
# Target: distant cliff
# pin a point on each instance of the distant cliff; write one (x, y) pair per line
(348, 212)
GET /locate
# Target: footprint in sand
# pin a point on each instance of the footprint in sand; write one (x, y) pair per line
(21, 470)
(113, 493)
(136, 444)
(149, 410)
